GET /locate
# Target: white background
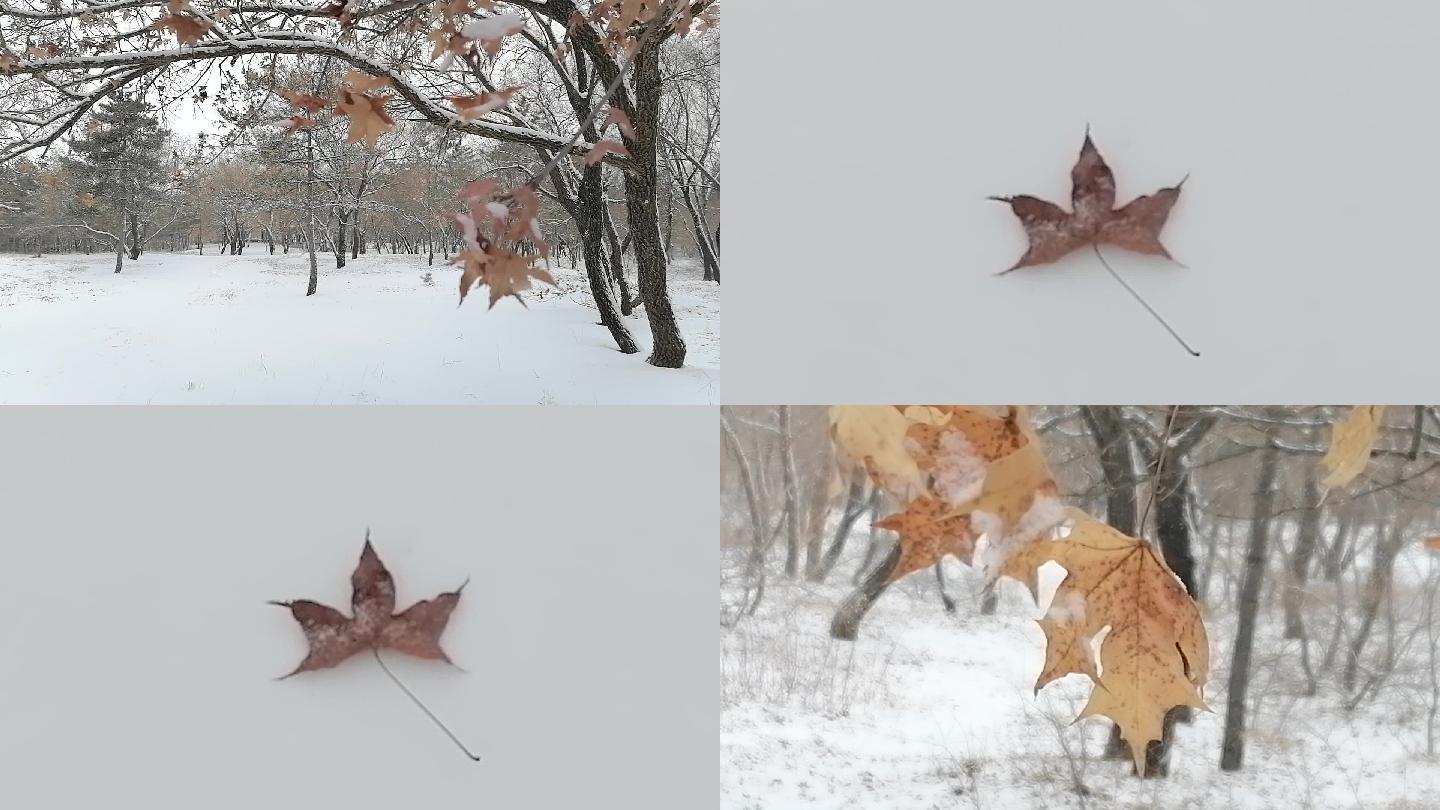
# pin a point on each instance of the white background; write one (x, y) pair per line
(138, 656)
(863, 141)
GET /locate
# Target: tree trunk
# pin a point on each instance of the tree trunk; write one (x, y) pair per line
(1306, 537)
(1232, 746)
(310, 211)
(591, 223)
(340, 240)
(669, 347)
(792, 496)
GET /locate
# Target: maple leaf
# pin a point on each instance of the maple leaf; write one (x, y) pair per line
(334, 637)
(987, 476)
(189, 30)
(305, 101)
(298, 122)
(1155, 655)
(362, 82)
(598, 152)
(874, 435)
(368, 119)
(1053, 232)
(472, 107)
(617, 116)
(1350, 443)
(511, 275)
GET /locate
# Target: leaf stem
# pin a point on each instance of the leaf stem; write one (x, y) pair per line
(1143, 302)
(423, 707)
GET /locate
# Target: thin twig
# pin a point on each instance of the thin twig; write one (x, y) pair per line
(1159, 467)
(1142, 301)
(423, 707)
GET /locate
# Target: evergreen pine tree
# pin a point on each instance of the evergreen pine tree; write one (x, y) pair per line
(119, 163)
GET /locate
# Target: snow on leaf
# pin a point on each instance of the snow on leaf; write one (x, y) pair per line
(1350, 443)
(490, 31)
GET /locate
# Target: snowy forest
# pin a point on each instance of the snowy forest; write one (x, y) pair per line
(984, 607)
(560, 155)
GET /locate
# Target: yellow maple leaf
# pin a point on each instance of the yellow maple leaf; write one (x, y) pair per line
(1350, 443)
(874, 435)
(1155, 655)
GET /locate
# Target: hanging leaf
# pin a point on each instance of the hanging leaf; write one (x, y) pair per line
(1350, 442)
(1155, 654)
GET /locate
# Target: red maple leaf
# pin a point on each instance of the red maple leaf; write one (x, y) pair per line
(335, 637)
(1055, 232)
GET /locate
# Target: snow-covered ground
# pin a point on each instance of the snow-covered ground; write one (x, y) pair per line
(934, 711)
(191, 329)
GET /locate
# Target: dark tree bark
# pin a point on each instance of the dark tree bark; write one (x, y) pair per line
(340, 239)
(1306, 538)
(1232, 746)
(640, 185)
(846, 624)
(856, 504)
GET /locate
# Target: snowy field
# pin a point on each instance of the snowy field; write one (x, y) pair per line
(191, 329)
(934, 711)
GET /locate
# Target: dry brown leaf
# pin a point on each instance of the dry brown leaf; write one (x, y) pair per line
(334, 637)
(598, 152)
(8, 63)
(1054, 232)
(305, 101)
(189, 30)
(368, 119)
(362, 82)
(617, 116)
(298, 122)
(1155, 655)
(472, 107)
(1432, 544)
(1350, 443)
